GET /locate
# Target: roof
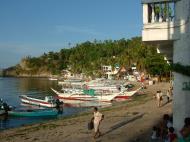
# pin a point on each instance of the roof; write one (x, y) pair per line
(123, 69)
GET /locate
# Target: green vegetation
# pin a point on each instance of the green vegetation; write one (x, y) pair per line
(1, 72)
(88, 57)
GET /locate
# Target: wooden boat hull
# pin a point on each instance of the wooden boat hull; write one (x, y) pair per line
(33, 113)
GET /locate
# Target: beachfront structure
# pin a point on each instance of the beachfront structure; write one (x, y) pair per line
(68, 74)
(107, 68)
(166, 24)
(109, 72)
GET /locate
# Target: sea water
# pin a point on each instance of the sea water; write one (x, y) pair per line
(11, 88)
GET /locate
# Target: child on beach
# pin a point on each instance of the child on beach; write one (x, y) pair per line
(164, 125)
(171, 135)
(155, 134)
(185, 131)
(98, 117)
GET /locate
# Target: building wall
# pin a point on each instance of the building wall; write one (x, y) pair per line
(181, 103)
(159, 31)
(177, 32)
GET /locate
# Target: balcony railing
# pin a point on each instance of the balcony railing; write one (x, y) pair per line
(160, 12)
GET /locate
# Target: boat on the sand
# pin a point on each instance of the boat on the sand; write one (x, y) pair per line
(86, 96)
(126, 95)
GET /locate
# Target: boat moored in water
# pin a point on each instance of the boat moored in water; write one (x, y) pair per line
(86, 96)
(48, 101)
(33, 113)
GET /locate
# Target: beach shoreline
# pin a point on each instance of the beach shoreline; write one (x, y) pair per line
(141, 113)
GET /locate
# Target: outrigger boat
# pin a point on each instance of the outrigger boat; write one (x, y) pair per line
(71, 97)
(125, 95)
(33, 113)
(48, 101)
(86, 96)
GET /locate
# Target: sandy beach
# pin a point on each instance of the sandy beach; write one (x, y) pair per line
(130, 121)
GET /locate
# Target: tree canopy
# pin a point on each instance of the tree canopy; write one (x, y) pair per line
(88, 57)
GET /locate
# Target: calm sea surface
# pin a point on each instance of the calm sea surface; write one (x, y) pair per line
(11, 88)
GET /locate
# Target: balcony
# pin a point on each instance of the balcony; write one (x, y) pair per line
(160, 26)
(158, 20)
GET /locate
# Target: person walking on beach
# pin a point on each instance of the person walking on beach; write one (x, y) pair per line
(98, 117)
(159, 98)
(168, 94)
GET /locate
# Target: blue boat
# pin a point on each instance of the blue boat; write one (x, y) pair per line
(33, 113)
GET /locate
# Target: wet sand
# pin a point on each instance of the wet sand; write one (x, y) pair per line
(130, 121)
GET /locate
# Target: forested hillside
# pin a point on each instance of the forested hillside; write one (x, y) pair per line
(88, 57)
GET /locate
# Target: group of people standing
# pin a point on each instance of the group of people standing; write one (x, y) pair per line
(159, 96)
(165, 132)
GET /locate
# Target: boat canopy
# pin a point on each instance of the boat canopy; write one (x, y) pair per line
(90, 92)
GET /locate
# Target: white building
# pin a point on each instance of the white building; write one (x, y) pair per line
(107, 68)
(109, 72)
(166, 23)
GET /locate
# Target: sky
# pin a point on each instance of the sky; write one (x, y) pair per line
(32, 27)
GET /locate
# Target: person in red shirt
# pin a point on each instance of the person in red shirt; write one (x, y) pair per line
(171, 135)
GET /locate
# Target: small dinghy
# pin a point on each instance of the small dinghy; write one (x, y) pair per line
(33, 113)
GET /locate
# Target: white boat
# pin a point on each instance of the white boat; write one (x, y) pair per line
(73, 97)
(106, 86)
(126, 95)
(112, 88)
(48, 101)
(2, 112)
(72, 90)
(53, 79)
(90, 104)
(70, 96)
(72, 82)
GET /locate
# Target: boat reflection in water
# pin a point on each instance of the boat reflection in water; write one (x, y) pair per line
(3, 121)
(12, 88)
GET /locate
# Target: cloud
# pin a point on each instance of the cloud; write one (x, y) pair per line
(80, 30)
